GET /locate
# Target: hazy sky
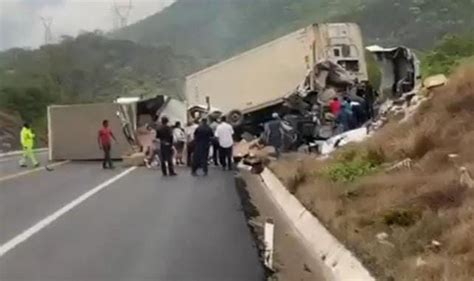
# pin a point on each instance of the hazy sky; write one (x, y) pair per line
(21, 26)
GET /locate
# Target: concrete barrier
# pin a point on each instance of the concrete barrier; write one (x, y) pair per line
(340, 263)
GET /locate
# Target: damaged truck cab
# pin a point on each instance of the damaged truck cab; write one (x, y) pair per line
(400, 69)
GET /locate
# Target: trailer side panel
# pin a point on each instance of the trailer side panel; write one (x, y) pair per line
(73, 131)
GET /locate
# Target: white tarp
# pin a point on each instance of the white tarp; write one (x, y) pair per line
(357, 135)
(378, 49)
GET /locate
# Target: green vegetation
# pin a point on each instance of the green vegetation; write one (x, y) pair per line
(352, 164)
(373, 70)
(89, 68)
(191, 35)
(212, 30)
(448, 54)
(349, 171)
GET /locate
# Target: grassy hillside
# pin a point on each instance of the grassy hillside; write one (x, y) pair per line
(85, 69)
(212, 30)
(448, 54)
(422, 209)
(415, 23)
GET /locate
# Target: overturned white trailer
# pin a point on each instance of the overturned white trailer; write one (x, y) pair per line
(73, 129)
(262, 77)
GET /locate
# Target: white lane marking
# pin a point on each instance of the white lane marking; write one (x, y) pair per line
(9, 177)
(8, 246)
(13, 157)
(19, 152)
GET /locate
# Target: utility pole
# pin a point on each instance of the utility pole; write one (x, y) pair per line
(48, 35)
(121, 12)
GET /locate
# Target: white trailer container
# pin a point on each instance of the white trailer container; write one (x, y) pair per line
(263, 76)
(73, 129)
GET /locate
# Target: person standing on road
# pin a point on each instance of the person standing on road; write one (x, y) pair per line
(273, 133)
(202, 141)
(104, 139)
(224, 134)
(27, 138)
(165, 135)
(215, 144)
(190, 142)
(179, 138)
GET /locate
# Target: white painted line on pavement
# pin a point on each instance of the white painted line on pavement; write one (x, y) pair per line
(13, 157)
(19, 152)
(269, 234)
(9, 177)
(8, 159)
(8, 246)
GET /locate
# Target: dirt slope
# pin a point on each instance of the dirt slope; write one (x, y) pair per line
(415, 222)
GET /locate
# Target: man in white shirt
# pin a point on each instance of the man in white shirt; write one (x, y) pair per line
(224, 134)
(215, 143)
(190, 141)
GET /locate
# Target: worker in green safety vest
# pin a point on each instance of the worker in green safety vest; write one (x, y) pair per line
(27, 142)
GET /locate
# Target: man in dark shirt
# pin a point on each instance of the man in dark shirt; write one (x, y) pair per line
(165, 135)
(273, 133)
(202, 140)
(370, 95)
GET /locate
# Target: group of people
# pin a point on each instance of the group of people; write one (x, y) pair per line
(353, 110)
(197, 140)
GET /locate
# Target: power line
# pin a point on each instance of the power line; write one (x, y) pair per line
(121, 14)
(48, 35)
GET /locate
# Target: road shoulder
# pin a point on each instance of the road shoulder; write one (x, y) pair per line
(292, 261)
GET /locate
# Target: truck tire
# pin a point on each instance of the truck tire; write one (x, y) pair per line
(235, 117)
(195, 111)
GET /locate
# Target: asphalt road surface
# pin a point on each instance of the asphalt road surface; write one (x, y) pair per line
(82, 223)
(9, 165)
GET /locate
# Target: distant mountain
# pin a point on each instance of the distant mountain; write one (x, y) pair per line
(211, 30)
(415, 23)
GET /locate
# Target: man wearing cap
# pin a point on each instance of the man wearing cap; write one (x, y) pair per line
(273, 133)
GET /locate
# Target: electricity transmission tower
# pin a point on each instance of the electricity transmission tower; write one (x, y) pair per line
(121, 12)
(48, 35)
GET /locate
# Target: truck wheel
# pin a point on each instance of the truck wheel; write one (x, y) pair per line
(193, 112)
(235, 117)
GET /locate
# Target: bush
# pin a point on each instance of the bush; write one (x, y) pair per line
(448, 54)
(349, 171)
(402, 217)
(353, 163)
(31, 102)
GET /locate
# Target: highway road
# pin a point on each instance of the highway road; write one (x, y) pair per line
(82, 223)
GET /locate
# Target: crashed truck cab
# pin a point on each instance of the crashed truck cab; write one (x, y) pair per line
(400, 69)
(72, 129)
(249, 87)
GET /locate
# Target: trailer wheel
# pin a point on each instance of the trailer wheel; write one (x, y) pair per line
(235, 117)
(195, 111)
